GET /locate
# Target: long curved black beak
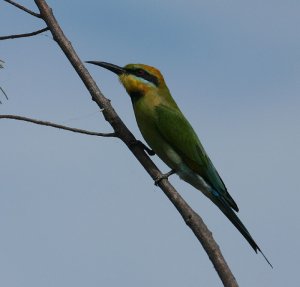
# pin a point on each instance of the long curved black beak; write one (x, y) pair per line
(114, 68)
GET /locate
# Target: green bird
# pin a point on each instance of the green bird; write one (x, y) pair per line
(172, 138)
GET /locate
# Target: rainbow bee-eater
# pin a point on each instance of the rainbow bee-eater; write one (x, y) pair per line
(172, 138)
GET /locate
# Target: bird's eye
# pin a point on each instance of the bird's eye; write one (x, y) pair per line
(141, 72)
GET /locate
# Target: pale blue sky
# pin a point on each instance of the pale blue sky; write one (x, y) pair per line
(80, 211)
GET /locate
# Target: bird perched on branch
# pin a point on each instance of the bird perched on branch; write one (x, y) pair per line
(172, 138)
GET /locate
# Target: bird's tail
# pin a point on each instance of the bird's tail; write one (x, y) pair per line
(230, 214)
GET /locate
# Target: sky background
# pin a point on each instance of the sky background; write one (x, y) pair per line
(78, 210)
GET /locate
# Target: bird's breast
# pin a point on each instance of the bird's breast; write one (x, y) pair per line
(148, 123)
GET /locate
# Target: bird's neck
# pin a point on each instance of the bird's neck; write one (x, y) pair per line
(153, 97)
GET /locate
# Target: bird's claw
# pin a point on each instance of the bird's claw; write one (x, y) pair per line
(144, 147)
(164, 176)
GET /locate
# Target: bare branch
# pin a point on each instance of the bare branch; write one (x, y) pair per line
(4, 93)
(50, 124)
(1, 66)
(23, 8)
(24, 35)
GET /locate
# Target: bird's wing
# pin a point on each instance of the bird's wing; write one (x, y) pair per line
(178, 132)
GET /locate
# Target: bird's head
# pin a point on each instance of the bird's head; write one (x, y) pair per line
(138, 79)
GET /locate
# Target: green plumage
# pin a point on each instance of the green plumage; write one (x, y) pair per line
(172, 138)
(186, 143)
(165, 128)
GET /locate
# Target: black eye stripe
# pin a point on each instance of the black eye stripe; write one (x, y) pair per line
(145, 75)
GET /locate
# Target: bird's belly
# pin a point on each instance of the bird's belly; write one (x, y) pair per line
(174, 161)
(157, 143)
(165, 152)
(189, 176)
(170, 157)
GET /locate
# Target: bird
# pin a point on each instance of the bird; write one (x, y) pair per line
(172, 138)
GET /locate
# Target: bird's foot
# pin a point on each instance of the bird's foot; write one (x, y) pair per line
(164, 176)
(144, 147)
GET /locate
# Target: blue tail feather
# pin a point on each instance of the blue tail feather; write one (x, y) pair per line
(230, 214)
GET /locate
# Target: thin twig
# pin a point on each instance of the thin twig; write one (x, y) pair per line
(23, 8)
(44, 123)
(4, 93)
(1, 66)
(24, 35)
